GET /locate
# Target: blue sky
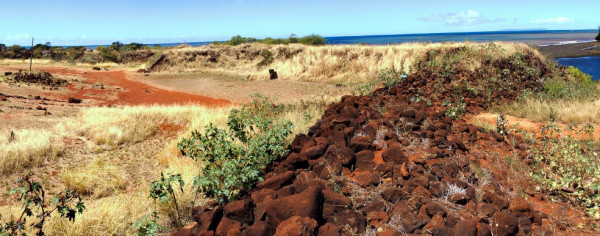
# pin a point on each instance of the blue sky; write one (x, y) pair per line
(83, 22)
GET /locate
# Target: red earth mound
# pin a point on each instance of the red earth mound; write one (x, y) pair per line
(396, 163)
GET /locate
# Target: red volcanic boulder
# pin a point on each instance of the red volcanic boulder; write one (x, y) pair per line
(208, 219)
(308, 203)
(277, 181)
(364, 160)
(465, 228)
(505, 223)
(329, 229)
(240, 210)
(367, 179)
(261, 228)
(297, 226)
(394, 153)
(355, 222)
(226, 225)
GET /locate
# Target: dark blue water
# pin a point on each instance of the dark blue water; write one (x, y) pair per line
(531, 36)
(589, 65)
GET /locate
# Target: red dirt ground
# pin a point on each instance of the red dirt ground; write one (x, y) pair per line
(131, 92)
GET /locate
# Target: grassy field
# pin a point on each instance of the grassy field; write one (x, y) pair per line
(124, 149)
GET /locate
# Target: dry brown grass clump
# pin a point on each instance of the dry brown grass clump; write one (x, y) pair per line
(98, 179)
(329, 63)
(28, 148)
(565, 111)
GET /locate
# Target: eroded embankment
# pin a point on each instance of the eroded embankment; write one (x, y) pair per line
(398, 162)
(328, 63)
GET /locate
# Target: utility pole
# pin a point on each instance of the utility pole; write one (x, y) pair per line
(31, 56)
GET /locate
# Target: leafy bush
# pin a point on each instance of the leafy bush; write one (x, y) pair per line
(567, 165)
(267, 57)
(308, 40)
(132, 47)
(580, 86)
(455, 110)
(312, 39)
(147, 226)
(109, 53)
(387, 78)
(32, 195)
(233, 158)
(598, 36)
(162, 190)
(74, 53)
(236, 40)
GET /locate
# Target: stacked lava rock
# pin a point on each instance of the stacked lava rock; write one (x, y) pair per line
(385, 164)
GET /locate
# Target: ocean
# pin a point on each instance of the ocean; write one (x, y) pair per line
(589, 65)
(538, 37)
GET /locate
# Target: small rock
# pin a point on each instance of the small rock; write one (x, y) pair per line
(459, 198)
(297, 226)
(465, 228)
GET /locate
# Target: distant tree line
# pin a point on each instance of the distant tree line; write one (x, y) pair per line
(312, 39)
(113, 53)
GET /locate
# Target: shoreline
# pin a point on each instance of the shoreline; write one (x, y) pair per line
(572, 50)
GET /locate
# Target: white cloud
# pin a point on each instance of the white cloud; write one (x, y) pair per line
(460, 18)
(18, 37)
(554, 20)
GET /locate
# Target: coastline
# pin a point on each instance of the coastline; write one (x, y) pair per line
(571, 50)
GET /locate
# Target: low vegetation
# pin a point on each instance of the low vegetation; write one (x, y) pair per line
(312, 39)
(567, 165)
(232, 159)
(38, 208)
(116, 52)
(26, 148)
(570, 98)
(338, 64)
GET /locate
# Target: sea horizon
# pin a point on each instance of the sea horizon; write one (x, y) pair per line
(538, 37)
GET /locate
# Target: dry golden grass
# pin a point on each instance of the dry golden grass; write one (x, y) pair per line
(98, 179)
(328, 63)
(565, 111)
(113, 202)
(29, 148)
(51, 62)
(116, 126)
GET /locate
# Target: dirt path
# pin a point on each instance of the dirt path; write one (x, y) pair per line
(125, 91)
(525, 124)
(238, 89)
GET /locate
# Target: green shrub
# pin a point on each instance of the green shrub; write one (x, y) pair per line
(31, 193)
(267, 57)
(236, 40)
(147, 226)
(456, 109)
(312, 39)
(580, 86)
(132, 47)
(232, 159)
(109, 53)
(598, 36)
(387, 78)
(567, 165)
(74, 53)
